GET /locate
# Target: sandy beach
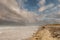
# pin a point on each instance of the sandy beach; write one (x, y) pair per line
(16, 33)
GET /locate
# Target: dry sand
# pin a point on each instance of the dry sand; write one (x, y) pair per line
(47, 32)
(16, 33)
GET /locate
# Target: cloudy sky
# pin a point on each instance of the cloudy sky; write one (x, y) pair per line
(32, 11)
(38, 5)
(49, 9)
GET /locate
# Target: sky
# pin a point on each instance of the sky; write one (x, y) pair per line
(49, 9)
(34, 5)
(35, 11)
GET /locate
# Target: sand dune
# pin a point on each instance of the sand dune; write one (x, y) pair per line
(47, 32)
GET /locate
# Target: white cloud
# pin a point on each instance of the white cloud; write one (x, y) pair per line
(58, 5)
(42, 2)
(41, 9)
(59, 0)
(26, 15)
